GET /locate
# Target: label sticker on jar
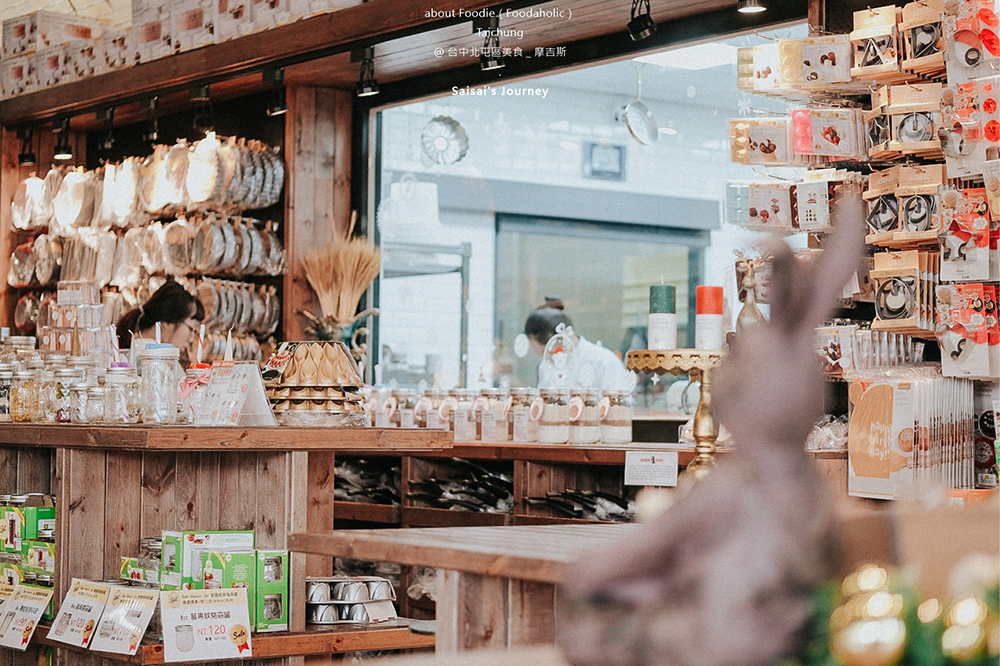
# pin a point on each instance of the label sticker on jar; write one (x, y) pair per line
(489, 431)
(433, 419)
(406, 418)
(522, 420)
(206, 624)
(650, 468)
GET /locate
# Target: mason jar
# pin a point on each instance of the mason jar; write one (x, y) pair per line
(45, 395)
(78, 397)
(6, 378)
(616, 411)
(584, 420)
(95, 404)
(426, 410)
(490, 410)
(406, 401)
(551, 410)
(192, 391)
(159, 383)
(60, 405)
(121, 396)
(21, 396)
(520, 426)
(457, 409)
(87, 364)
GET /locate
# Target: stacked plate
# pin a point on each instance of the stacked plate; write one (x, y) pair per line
(346, 599)
(320, 385)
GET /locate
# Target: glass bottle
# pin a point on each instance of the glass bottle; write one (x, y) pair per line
(490, 411)
(95, 404)
(6, 378)
(616, 409)
(520, 426)
(458, 407)
(552, 415)
(60, 406)
(584, 420)
(45, 395)
(121, 396)
(78, 402)
(21, 396)
(426, 410)
(159, 383)
(406, 400)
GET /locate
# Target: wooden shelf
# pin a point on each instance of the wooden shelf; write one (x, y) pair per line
(597, 454)
(393, 635)
(418, 516)
(369, 513)
(208, 438)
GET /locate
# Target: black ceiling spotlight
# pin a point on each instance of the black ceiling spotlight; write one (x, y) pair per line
(367, 85)
(153, 131)
(277, 105)
(642, 25)
(490, 58)
(27, 155)
(204, 117)
(63, 151)
(751, 6)
(107, 118)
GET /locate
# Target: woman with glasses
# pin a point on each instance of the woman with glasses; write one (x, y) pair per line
(178, 312)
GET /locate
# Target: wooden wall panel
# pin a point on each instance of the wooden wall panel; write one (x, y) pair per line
(159, 476)
(8, 472)
(34, 471)
(319, 510)
(122, 526)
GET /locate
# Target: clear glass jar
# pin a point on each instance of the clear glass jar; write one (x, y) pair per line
(551, 410)
(95, 404)
(584, 419)
(22, 396)
(150, 557)
(520, 426)
(6, 378)
(55, 361)
(192, 391)
(490, 410)
(616, 409)
(121, 396)
(426, 410)
(89, 366)
(45, 395)
(159, 383)
(60, 405)
(78, 398)
(406, 401)
(457, 408)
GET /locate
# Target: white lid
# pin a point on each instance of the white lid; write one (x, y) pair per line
(166, 351)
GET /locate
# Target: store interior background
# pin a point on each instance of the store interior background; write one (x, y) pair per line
(537, 225)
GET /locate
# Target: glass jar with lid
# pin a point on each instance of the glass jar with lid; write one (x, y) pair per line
(150, 558)
(22, 396)
(406, 401)
(490, 410)
(121, 395)
(88, 364)
(584, 420)
(45, 395)
(6, 379)
(56, 360)
(457, 409)
(78, 397)
(192, 390)
(616, 409)
(520, 426)
(426, 410)
(60, 406)
(551, 410)
(159, 383)
(95, 404)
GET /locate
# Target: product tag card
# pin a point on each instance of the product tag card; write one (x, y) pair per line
(206, 625)
(125, 619)
(235, 388)
(650, 468)
(5, 592)
(80, 612)
(21, 615)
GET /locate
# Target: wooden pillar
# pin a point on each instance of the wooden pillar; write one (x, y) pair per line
(318, 197)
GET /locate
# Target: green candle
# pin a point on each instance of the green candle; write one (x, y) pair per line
(663, 298)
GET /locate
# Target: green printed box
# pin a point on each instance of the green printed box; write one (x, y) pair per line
(181, 558)
(39, 556)
(227, 569)
(23, 522)
(272, 591)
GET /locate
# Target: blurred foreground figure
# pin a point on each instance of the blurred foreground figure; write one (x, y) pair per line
(725, 577)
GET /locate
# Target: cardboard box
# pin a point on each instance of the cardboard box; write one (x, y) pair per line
(39, 556)
(23, 523)
(42, 30)
(151, 30)
(271, 599)
(17, 76)
(194, 24)
(182, 554)
(233, 18)
(228, 569)
(51, 67)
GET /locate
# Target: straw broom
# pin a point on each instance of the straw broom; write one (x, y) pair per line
(341, 272)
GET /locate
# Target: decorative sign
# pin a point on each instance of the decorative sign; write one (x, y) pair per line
(650, 468)
(21, 614)
(80, 612)
(125, 619)
(206, 625)
(235, 396)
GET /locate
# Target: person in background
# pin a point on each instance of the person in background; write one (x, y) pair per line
(178, 312)
(587, 365)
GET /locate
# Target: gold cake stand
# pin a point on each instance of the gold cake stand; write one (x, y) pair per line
(698, 364)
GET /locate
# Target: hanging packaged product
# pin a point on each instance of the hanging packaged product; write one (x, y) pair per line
(973, 49)
(965, 235)
(744, 68)
(877, 126)
(880, 439)
(923, 38)
(991, 293)
(765, 141)
(766, 69)
(914, 119)
(962, 132)
(819, 194)
(770, 205)
(962, 331)
(883, 206)
(905, 280)
(875, 43)
(919, 203)
(835, 347)
(827, 132)
(816, 62)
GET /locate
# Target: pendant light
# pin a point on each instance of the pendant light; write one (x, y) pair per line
(63, 151)
(204, 118)
(107, 117)
(277, 104)
(490, 58)
(367, 84)
(751, 6)
(153, 131)
(27, 155)
(642, 24)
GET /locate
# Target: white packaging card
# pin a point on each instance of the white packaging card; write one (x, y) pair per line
(80, 612)
(650, 468)
(235, 396)
(21, 614)
(206, 625)
(125, 619)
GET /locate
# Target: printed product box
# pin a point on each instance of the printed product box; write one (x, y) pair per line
(41, 30)
(228, 569)
(23, 522)
(151, 30)
(184, 549)
(51, 67)
(233, 18)
(17, 76)
(194, 24)
(129, 568)
(271, 610)
(116, 49)
(39, 556)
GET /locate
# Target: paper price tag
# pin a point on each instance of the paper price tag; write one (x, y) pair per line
(650, 468)
(235, 396)
(206, 625)
(21, 614)
(80, 612)
(125, 619)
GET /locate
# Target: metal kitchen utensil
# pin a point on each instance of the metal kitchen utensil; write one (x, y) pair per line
(638, 118)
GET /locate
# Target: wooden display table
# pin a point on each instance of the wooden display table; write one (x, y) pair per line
(496, 585)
